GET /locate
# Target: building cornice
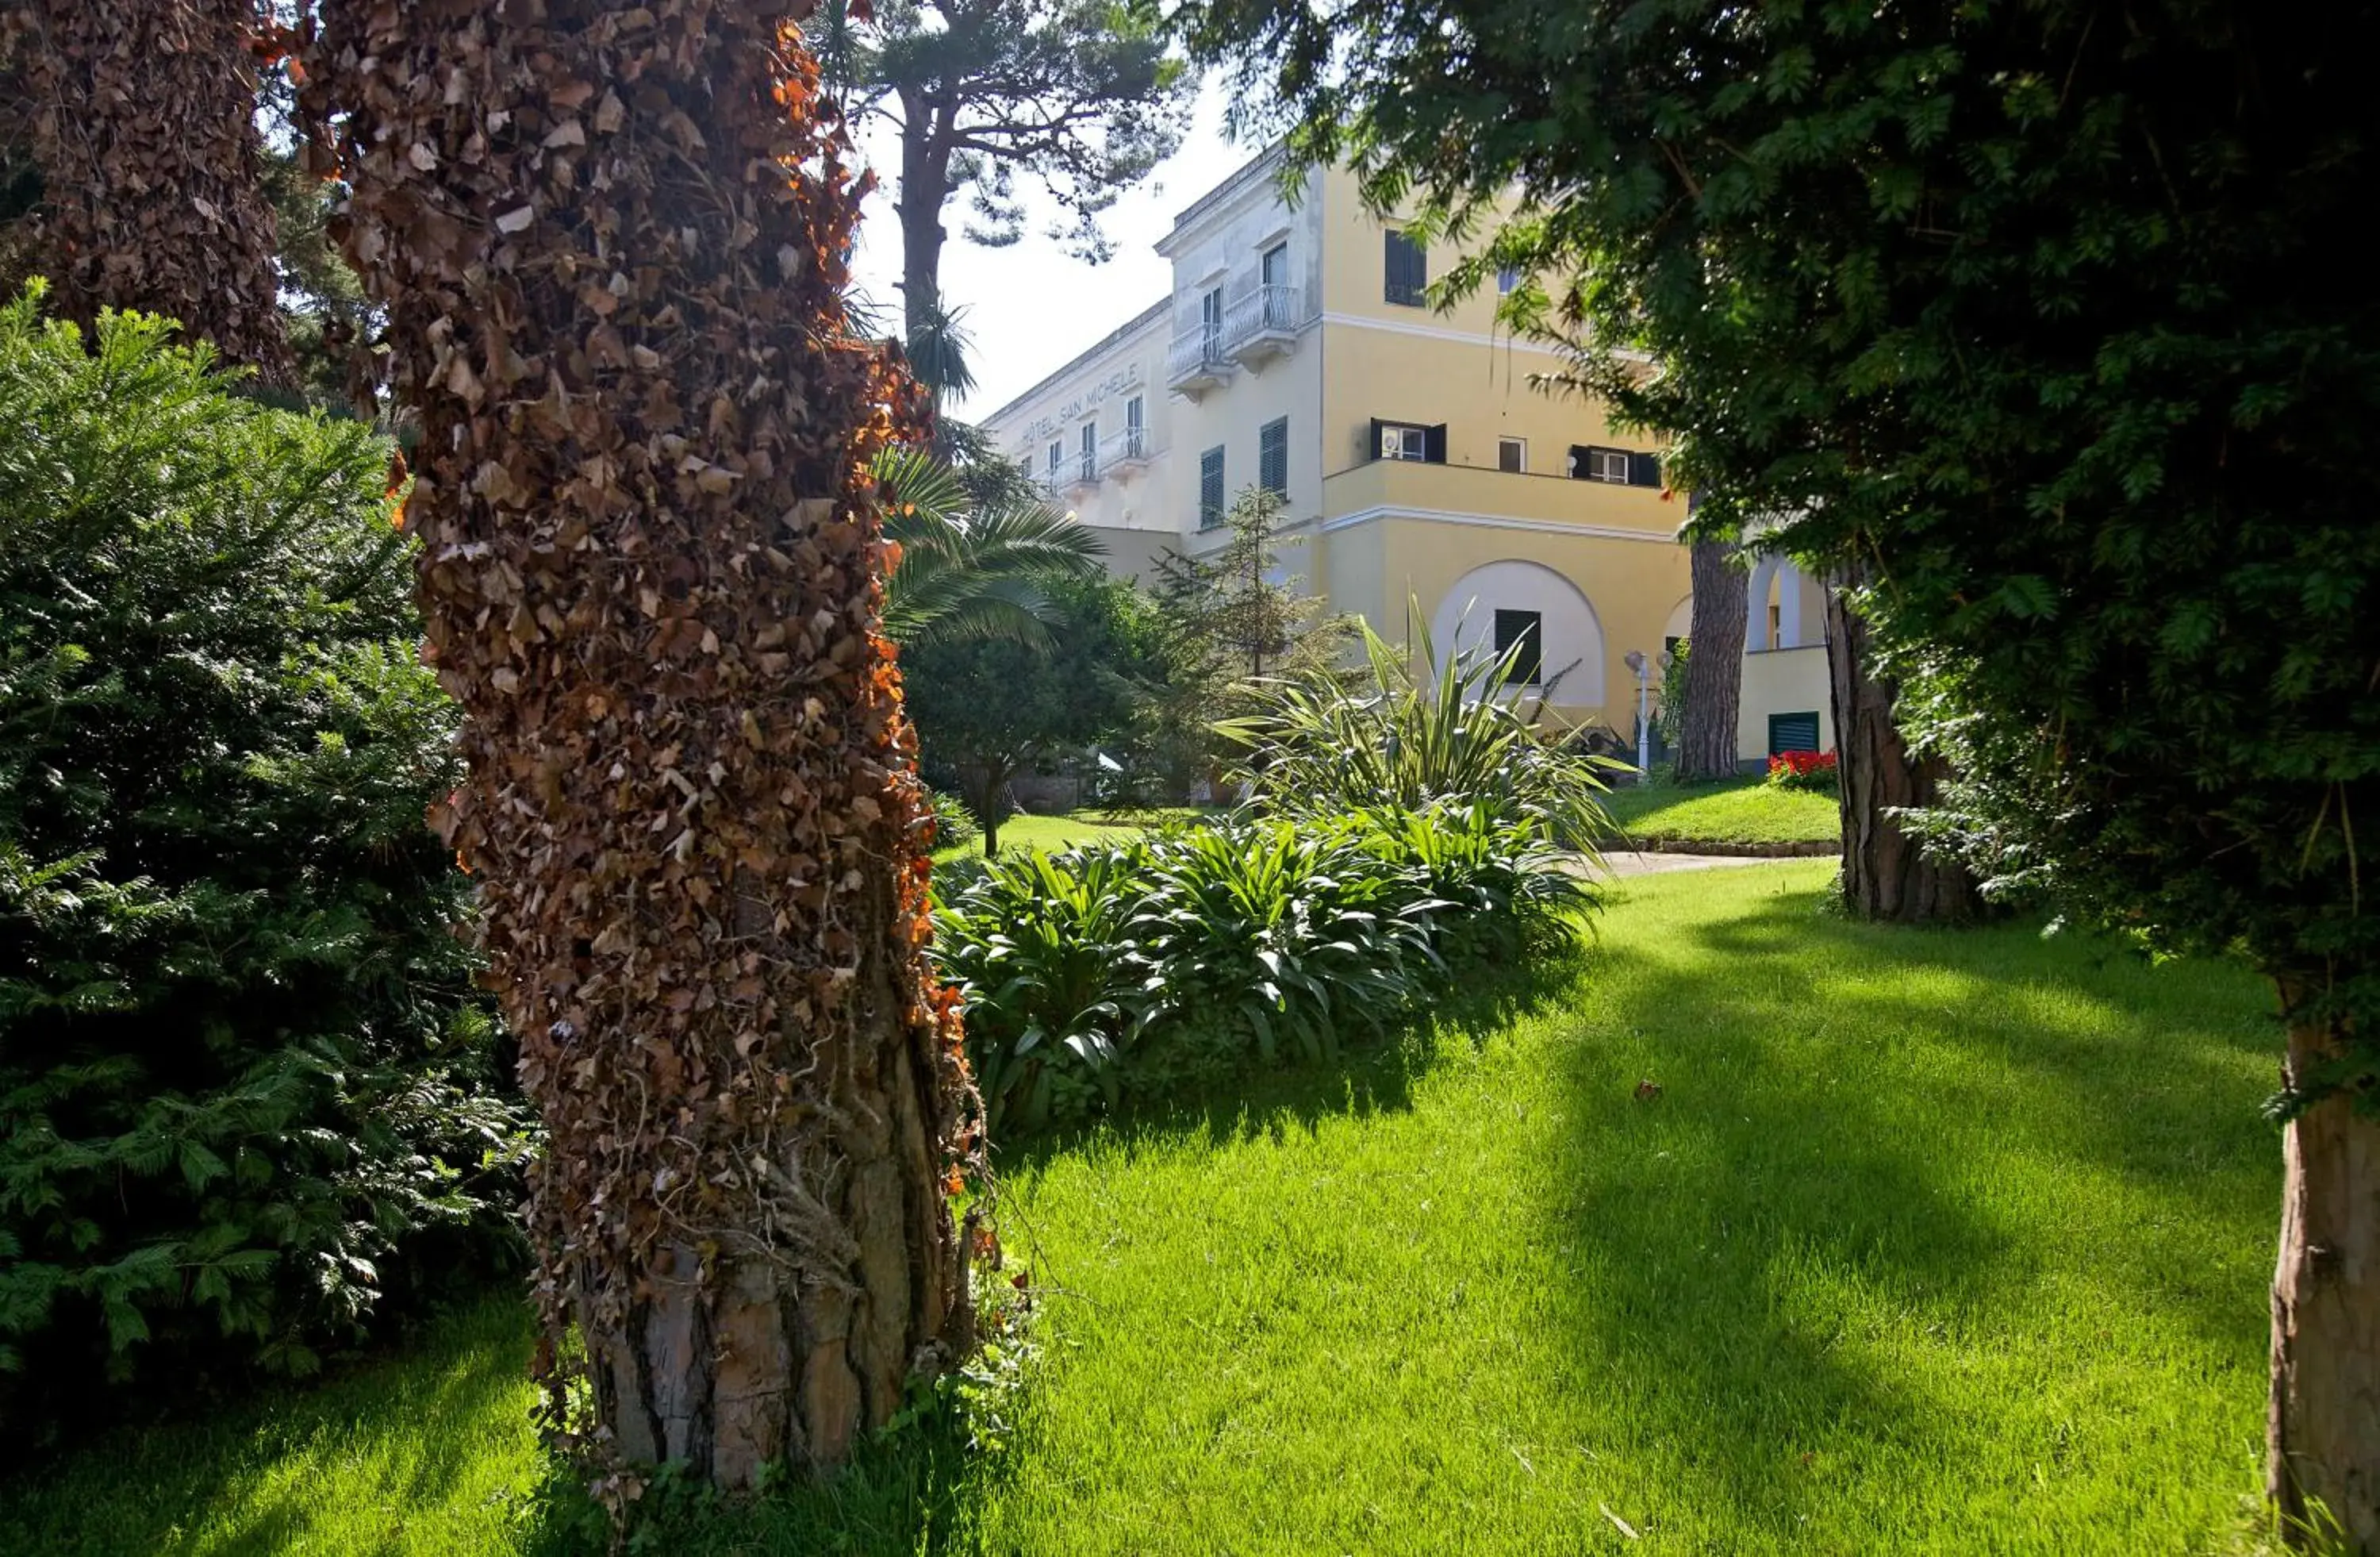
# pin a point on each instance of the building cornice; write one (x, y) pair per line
(1154, 313)
(1492, 521)
(1200, 213)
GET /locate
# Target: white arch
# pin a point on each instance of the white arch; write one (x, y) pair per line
(1465, 621)
(1756, 602)
(1682, 619)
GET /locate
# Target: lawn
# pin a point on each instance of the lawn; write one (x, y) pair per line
(1052, 834)
(1929, 1242)
(1732, 813)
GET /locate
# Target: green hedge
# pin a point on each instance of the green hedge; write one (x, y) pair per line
(246, 1086)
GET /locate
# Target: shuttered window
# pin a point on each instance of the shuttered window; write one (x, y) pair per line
(1272, 456)
(1793, 731)
(1592, 462)
(1407, 266)
(1406, 440)
(1525, 631)
(1210, 488)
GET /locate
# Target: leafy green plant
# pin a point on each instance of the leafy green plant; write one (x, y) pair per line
(1139, 966)
(246, 1086)
(1314, 748)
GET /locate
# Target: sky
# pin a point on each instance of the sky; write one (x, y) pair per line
(1031, 306)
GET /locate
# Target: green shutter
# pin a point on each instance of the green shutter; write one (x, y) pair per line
(1793, 731)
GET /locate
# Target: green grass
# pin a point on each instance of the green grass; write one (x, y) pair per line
(1050, 834)
(1733, 811)
(420, 1456)
(1931, 1241)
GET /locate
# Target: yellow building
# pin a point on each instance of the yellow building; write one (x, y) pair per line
(1296, 351)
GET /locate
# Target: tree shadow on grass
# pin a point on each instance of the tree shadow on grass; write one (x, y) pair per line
(1801, 1202)
(152, 1490)
(1373, 1073)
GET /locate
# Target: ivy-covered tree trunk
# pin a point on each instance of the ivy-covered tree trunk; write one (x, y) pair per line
(2323, 1426)
(1886, 876)
(1707, 745)
(143, 116)
(610, 240)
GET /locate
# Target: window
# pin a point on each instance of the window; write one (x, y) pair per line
(1407, 267)
(1521, 635)
(1134, 424)
(1588, 462)
(1211, 319)
(1090, 450)
(1057, 456)
(1511, 454)
(1210, 488)
(1272, 456)
(1409, 439)
(1273, 269)
(1793, 731)
(1507, 277)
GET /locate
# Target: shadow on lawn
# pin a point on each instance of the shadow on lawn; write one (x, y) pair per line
(138, 1490)
(1803, 1196)
(1373, 1074)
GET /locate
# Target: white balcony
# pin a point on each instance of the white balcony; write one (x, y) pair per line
(1126, 453)
(1263, 324)
(1197, 363)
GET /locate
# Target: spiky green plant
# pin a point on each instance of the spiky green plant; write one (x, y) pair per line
(1313, 748)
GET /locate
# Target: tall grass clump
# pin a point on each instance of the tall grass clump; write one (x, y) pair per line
(1128, 972)
(1467, 737)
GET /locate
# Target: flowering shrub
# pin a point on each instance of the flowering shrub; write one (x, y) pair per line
(1804, 769)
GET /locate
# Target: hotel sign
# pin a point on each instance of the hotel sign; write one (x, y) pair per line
(1124, 378)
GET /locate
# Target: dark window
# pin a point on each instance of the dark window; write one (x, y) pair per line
(1409, 439)
(1592, 462)
(1090, 467)
(1056, 457)
(1133, 417)
(1272, 456)
(1511, 454)
(1272, 269)
(1407, 270)
(1525, 629)
(1210, 488)
(1793, 731)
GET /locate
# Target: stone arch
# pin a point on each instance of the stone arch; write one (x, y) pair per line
(1465, 621)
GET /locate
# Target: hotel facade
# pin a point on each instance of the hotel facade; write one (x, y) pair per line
(1419, 467)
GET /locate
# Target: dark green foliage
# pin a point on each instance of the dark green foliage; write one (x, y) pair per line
(243, 1075)
(2046, 313)
(1132, 969)
(988, 708)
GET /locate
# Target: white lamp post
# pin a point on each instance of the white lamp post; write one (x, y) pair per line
(1637, 662)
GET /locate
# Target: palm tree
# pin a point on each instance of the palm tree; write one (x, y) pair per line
(967, 570)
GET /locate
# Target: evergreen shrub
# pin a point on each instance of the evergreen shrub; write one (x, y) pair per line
(246, 1089)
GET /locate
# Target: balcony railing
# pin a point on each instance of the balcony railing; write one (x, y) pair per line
(1263, 323)
(1124, 452)
(1196, 362)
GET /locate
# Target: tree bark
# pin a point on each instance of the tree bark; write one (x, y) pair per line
(1707, 744)
(2323, 1466)
(925, 189)
(611, 244)
(143, 121)
(1886, 876)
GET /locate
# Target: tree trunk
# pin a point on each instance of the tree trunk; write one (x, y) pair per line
(611, 244)
(925, 188)
(1707, 744)
(143, 121)
(2323, 1426)
(1886, 876)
